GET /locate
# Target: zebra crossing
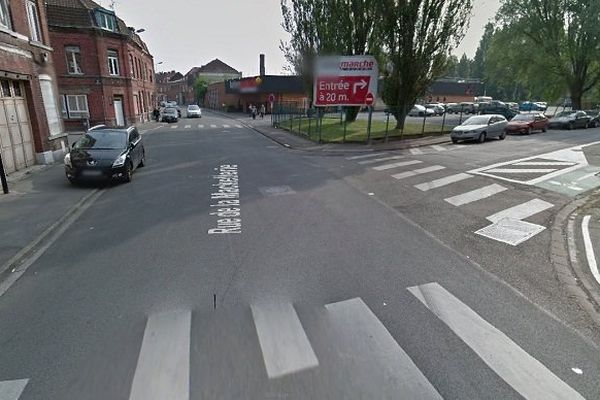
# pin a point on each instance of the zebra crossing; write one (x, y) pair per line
(506, 226)
(349, 339)
(204, 126)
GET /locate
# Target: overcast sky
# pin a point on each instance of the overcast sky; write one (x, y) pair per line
(187, 33)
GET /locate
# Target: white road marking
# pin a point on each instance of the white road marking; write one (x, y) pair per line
(510, 231)
(543, 163)
(213, 126)
(370, 340)
(365, 156)
(174, 126)
(381, 159)
(526, 375)
(396, 165)
(474, 195)
(415, 151)
(521, 171)
(436, 183)
(589, 248)
(420, 171)
(437, 147)
(11, 390)
(201, 126)
(581, 178)
(163, 367)
(284, 344)
(226, 126)
(238, 126)
(187, 127)
(521, 211)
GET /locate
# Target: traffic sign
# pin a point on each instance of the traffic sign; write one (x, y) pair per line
(271, 98)
(369, 99)
(345, 80)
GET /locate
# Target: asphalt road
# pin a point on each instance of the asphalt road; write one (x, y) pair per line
(340, 284)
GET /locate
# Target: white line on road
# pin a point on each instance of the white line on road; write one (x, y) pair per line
(284, 344)
(226, 126)
(396, 165)
(213, 126)
(238, 126)
(163, 367)
(474, 195)
(201, 126)
(521, 171)
(420, 171)
(415, 152)
(589, 248)
(381, 159)
(187, 127)
(370, 340)
(365, 156)
(11, 390)
(436, 183)
(437, 147)
(521, 211)
(510, 231)
(526, 375)
(174, 126)
(586, 176)
(543, 163)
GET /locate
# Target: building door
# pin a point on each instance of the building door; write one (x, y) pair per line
(119, 115)
(16, 143)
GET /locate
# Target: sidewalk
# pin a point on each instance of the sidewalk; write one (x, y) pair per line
(38, 198)
(287, 139)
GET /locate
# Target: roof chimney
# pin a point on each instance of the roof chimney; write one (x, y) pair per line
(262, 65)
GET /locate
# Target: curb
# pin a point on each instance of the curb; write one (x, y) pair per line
(330, 151)
(564, 260)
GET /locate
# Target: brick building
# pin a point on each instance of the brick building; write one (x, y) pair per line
(214, 71)
(30, 125)
(170, 86)
(105, 72)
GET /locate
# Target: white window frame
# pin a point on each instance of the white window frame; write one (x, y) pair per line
(81, 109)
(113, 63)
(70, 52)
(33, 17)
(106, 21)
(5, 15)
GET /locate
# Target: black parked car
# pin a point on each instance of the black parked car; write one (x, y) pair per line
(498, 107)
(595, 118)
(569, 120)
(105, 153)
(170, 114)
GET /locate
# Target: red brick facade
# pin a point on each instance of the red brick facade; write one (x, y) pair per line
(25, 60)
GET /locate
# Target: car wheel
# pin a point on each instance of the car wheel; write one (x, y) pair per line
(454, 141)
(420, 114)
(502, 136)
(481, 138)
(571, 126)
(544, 129)
(143, 160)
(72, 181)
(528, 131)
(128, 176)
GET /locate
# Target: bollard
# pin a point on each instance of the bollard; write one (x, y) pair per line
(443, 122)
(387, 126)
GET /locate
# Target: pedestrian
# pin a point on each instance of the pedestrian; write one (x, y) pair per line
(156, 114)
(250, 110)
(253, 112)
(262, 111)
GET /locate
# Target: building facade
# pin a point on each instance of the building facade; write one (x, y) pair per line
(30, 126)
(170, 86)
(214, 71)
(104, 70)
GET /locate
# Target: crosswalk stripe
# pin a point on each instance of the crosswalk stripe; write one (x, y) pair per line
(521, 211)
(396, 165)
(201, 126)
(174, 126)
(163, 367)
(187, 127)
(381, 159)
(420, 171)
(213, 126)
(11, 390)
(284, 344)
(371, 340)
(544, 163)
(474, 195)
(226, 126)
(415, 151)
(530, 378)
(238, 126)
(436, 183)
(365, 156)
(437, 147)
(521, 170)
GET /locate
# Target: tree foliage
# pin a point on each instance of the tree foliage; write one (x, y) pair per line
(200, 87)
(463, 68)
(562, 38)
(417, 36)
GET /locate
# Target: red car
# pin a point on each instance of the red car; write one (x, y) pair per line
(527, 123)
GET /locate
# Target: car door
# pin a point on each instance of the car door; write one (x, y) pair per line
(581, 120)
(135, 150)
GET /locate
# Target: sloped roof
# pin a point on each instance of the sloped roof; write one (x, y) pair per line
(216, 66)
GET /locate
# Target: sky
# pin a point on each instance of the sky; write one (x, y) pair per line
(186, 33)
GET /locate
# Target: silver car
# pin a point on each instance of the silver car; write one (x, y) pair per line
(193, 111)
(480, 127)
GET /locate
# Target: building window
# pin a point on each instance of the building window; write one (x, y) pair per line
(131, 66)
(17, 89)
(73, 60)
(49, 101)
(4, 15)
(105, 21)
(113, 63)
(34, 21)
(75, 106)
(5, 85)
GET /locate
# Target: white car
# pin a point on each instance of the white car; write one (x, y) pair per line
(193, 111)
(420, 111)
(438, 108)
(480, 128)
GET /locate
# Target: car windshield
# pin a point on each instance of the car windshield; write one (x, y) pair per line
(170, 110)
(480, 120)
(102, 140)
(193, 108)
(524, 117)
(564, 114)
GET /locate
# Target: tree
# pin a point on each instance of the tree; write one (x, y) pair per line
(451, 65)
(566, 36)
(478, 64)
(463, 69)
(321, 27)
(417, 36)
(200, 86)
